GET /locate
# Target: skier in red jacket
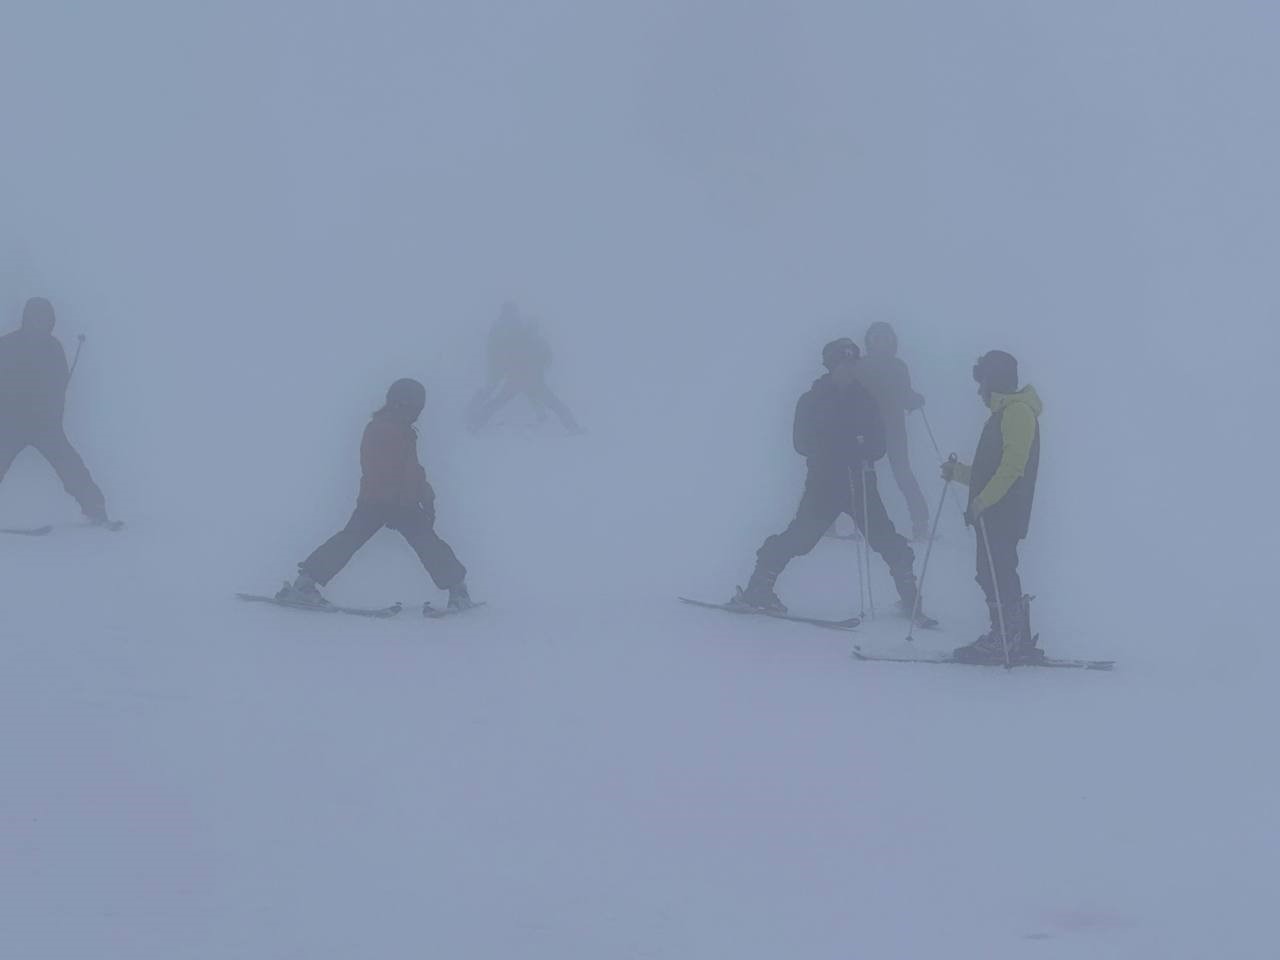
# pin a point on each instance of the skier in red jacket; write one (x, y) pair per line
(394, 493)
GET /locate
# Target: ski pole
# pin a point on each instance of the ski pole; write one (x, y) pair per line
(76, 360)
(924, 570)
(936, 449)
(866, 534)
(932, 439)
(995, 586)
(862, 592)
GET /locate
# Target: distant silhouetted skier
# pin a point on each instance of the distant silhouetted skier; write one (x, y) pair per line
(33, 393)
(394, 493)
(888, 380)
(1002, 486)
(518, 359)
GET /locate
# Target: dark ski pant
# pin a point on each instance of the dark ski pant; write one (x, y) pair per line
(900, 463)
(827, 494)
(414, 523)
(1004, 557)
(540, 396)
(52, 444)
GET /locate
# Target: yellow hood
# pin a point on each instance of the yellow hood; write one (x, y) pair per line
(1026, 395)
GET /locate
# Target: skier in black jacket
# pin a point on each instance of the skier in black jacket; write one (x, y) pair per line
(839, 431)
(33, 396)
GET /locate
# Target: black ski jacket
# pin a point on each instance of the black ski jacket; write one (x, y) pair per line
(33, 378)
(838, 428)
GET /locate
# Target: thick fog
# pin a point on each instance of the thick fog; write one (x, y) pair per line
(260, 215)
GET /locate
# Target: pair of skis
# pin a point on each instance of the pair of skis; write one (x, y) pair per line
(375, 613)
(923, 657)
(110, 525)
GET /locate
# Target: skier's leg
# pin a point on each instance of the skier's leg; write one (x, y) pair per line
(418, 527)
(983, 575)
(883, 538)
(1007, 585)
(335, 553)
(819, 507)
(56, 448)
(900, 463)
(12, 442)
(1004, 553)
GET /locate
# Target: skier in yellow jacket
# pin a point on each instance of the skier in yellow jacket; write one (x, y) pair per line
(1002, 486)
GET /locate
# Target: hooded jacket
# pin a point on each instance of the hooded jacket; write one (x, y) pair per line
(1002, 480)
(835, 428)
(391, 474)
(33, 377)
(886, 376)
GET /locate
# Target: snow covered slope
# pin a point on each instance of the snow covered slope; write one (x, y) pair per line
(260, 214)
(586, 768)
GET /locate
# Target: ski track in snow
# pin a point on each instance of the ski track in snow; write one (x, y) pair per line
(592, 772)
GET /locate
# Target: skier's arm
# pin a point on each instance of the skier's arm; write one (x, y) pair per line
(804, 431)
(874, 444)
(910, 399)
(1018, 432)
(54, 381)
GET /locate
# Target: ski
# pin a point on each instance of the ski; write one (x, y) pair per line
(849, 624)
(948, 658)
(380, 613)
(28, 531)
(440, 613)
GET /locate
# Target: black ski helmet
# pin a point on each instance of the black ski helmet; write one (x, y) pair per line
(407, 395)
(838, 351)
(997, 372)
(37, 314)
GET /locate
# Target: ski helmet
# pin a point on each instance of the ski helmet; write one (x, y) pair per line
(38, 314)
(997, 372)
(881, 338)
(838, 351)
(407, 395)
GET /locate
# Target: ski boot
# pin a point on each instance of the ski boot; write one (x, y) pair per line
(918, 618)
(459, 599)
(99, 518)
(302, 590)
(1028, 650)
(908, 591)
(990, 647)
(759, 595)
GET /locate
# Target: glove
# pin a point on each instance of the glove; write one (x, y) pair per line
(949, 470)
(976, 509)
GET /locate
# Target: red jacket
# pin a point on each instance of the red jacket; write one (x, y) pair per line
(392, 474)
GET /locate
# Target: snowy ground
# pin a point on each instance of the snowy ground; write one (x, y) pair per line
(586, 768)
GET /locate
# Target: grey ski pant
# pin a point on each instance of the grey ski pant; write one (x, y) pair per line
(414, 523)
